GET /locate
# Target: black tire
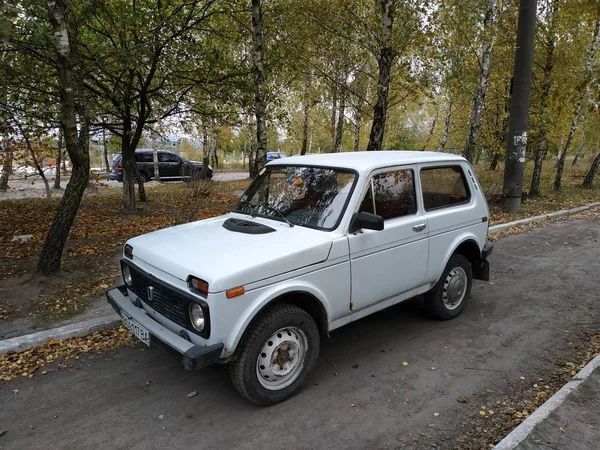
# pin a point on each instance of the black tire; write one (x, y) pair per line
(145, 177)
(243, 370)
(435, 298)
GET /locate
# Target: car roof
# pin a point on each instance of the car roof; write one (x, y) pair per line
(367, 161)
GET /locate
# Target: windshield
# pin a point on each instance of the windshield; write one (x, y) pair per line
(309, 196)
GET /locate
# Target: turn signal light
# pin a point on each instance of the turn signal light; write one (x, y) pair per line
(235, 292)
(128, 251)
(198, 285)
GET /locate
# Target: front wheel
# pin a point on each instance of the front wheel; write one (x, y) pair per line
(450, 294)
(278, 353)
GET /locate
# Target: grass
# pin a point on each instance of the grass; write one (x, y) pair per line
(571, 195)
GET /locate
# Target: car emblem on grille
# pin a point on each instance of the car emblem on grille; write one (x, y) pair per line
(150, 292)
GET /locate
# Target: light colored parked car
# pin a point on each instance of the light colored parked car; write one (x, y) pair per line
(315, 242)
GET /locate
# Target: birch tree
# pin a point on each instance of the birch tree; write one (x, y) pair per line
(385, 61)
(589, 77)
(487, 42)
(75, 124)
(258, 58)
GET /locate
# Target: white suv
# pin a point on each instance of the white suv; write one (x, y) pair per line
(316, 242)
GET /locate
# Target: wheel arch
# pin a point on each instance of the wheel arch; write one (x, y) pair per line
(469, 249)
(299, 297)
(466, 245)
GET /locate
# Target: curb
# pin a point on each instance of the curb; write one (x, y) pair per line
(27, 341)
(519, 434)
(552, 215)
(21, 343)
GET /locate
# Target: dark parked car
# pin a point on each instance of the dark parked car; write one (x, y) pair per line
(171, 167)
(271, 156)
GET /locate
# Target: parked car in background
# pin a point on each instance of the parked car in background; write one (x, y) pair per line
(272, 156)
(171, 167)
(315, 242)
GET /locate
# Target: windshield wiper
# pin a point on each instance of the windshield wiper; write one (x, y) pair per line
(271, 208)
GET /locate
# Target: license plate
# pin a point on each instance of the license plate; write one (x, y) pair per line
(139, 331)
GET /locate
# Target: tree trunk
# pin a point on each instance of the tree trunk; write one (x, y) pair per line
(251, 136)
(589, 178)
(205, 153)
(58, 159)
(578, 152)
(340, 122)
(140, 183)
(129, 169)
(580, 100)
(6, 164)
(213, 148)
(36, 163)
(334, 101)
(446, 127)
(305, 123)
(540, 153)
(106, 164)
(432, 129)
(560, 163)
(494, 161)
(258, 56)
(385, 61)
(486, 54)
(77, 146)
(357, 124)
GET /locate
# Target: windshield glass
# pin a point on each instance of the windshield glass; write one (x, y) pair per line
(309, 196)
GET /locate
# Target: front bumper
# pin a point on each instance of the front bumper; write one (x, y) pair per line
(192, 356)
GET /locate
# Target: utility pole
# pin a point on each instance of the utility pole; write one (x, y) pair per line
(519, 107)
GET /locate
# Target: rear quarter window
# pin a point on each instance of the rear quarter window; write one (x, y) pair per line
(443, 187)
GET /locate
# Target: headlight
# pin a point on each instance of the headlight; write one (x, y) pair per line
(127, 275)
(197, 316)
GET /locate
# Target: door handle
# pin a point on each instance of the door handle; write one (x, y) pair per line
(419, 227)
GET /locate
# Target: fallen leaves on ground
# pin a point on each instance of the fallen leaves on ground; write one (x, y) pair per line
(462, 399)
(510, 410)
(192, 394)
(27, 363)
(97, 238)
(593, 213)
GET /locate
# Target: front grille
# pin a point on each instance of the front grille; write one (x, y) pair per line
(166, 300)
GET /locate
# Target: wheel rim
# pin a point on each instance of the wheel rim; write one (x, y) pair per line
(455, 288)
(281, 358)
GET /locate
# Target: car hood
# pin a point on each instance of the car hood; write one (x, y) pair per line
(227, 259)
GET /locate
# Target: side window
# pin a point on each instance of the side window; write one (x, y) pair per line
(168, 157)
(394, 195)
(143, 157)
(444, 186)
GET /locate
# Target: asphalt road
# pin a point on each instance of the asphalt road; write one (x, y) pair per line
(361, 396)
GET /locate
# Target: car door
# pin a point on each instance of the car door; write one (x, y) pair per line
(450, 210)
(394, 260)
(169, 165)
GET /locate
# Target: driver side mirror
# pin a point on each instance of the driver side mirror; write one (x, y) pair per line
(367, 221)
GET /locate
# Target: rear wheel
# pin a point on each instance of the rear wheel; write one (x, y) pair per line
(451, 293)
(276, 356)
(144, 176)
